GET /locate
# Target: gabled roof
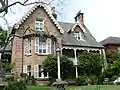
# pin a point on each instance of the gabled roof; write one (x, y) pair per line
(69, 40)
(17, 25)
(8, 49)
(111, 40)
(75, 25)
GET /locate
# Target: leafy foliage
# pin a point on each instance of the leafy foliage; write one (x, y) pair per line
(3, 36)
(81, 80)
(85, 80)
(50, 65)
(112, 56)
(7, 67)
(16, 85)
(90, 63)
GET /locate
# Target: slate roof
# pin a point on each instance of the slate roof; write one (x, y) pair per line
(111, 40)
(8, 49)
(69, 40)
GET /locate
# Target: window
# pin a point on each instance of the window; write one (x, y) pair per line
(27, 47)
(39, 72)
(27, 69)
(39, 25)
(43, 46)
(78, 36)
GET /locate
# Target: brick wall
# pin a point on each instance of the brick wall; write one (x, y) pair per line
(110, 47)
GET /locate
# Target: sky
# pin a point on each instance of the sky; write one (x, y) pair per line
(102, 17)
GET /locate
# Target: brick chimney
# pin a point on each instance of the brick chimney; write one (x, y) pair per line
(53, 12)
(79, 18)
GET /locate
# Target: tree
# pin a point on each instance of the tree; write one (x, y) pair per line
(113, 59)
(3, 36)
(50, 65)
(5, 4)
(90, 63)
(5, 7)
(112, 56)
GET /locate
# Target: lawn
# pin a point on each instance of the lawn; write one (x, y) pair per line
(102, 87)
(95, 87)
(39, 88)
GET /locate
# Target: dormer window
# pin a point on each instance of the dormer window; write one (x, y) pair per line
(78, 36)
(39, 25)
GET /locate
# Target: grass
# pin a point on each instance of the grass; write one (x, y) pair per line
(94, 87)
(39, 88)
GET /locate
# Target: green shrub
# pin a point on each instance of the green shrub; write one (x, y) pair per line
(16, 85)
(30, 80)
(7, 67)
(94, 79)
(81, 80)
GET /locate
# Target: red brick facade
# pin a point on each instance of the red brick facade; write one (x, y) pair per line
(111, 47)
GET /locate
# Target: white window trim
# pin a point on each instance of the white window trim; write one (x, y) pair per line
(28, 46)
(79, 34)
(42, 74)
(37, 45)
(25, 69)
(37, 72)
(39, 23)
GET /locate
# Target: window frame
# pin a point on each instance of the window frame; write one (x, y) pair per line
(28, 46)
(78, 36)
(46, 48)
(39, 21)
(39, 71)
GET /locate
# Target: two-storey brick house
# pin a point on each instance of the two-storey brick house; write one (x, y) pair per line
(39, 33)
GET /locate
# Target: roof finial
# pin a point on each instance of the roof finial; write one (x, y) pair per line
(53, 12)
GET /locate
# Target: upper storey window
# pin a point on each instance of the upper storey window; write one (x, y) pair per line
(39, 25)
(78, 36)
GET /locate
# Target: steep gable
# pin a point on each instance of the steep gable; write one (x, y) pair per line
(32, 10)
(70, 40)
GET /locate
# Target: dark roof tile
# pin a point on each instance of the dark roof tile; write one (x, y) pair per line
(111, 40)
(68, 39)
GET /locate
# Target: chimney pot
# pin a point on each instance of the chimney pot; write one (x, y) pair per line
(80, 18)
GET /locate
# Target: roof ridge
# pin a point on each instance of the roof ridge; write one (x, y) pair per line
(110, 39)
(17, 25)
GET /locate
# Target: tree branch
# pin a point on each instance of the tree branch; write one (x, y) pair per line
(4, 7)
